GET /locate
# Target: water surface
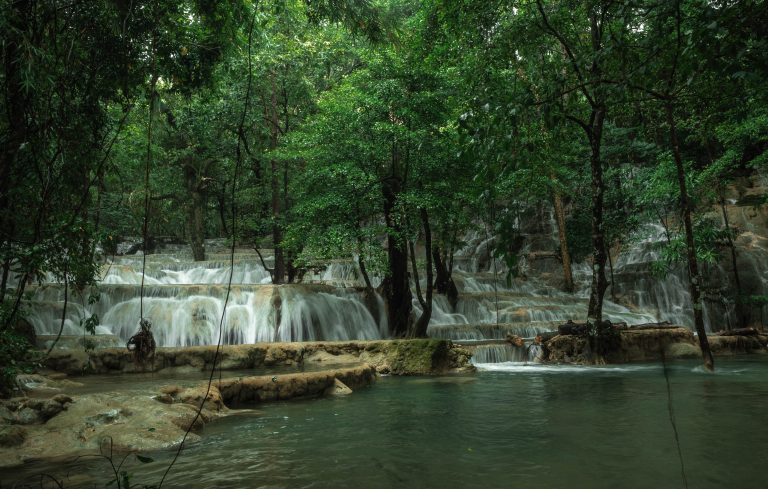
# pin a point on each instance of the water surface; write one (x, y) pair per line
(511, 425)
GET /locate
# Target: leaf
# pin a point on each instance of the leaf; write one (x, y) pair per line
(143, 459)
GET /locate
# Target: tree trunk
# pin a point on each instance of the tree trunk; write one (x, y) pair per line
(396, 287)
(18, 20)
(278, 275)
(599, 257)
(420, 329)
(221, 201)
(361, 261)
(4, 280)
(741, 314)
(564, 253)
(693, 266)
(613, 279)
(444, 283)
(195, 214)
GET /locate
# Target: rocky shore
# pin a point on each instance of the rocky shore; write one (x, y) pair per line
(50, 420)
(650, 344)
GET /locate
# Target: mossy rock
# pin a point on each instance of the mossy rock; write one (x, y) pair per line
(418, 357)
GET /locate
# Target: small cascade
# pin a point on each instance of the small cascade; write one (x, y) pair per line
(499, 354)
(492, 305)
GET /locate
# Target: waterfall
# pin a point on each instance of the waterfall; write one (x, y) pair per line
(184, 300)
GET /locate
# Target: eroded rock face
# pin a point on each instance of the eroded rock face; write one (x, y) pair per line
(734, 345)
(399, 357)
(127, 423)
(246, 391)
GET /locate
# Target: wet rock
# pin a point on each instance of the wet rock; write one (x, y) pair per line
(409, 357)
(683, 350)
(733, 345)
(6, 416)
(460, 360)
(400, 357)
(650, 342)
(323, 356)
(195, 396)
(62, 398)
(74, 361)
(36, 385)
(103, 418)
(50, 409)
(244, 391)
(165, 398)
(27, 416)
(284, 354)
(171, 390)
(338, 389)
(569, 349)
(78, 342)
(12, 436)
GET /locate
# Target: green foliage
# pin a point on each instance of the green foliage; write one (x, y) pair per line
(473, 111)
(14, 359)
(709, 238)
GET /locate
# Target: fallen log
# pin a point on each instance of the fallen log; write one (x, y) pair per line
(660, 325)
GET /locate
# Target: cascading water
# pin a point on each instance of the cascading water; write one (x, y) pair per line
(184, 300)
(667, 296)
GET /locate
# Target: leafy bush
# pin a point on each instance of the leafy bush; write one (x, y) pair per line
(14, 359)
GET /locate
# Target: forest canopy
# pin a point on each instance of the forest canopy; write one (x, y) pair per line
(354, 129)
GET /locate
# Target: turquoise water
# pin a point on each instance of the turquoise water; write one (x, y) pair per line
(512, 427)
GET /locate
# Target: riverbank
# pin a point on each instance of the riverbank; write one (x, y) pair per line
(395, 357)
(145, 407)
(51, 419)
(647, 344)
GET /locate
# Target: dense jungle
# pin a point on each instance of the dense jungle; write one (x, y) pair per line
(558, 205)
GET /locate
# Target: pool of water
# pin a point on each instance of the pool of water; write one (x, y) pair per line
(508, 425)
